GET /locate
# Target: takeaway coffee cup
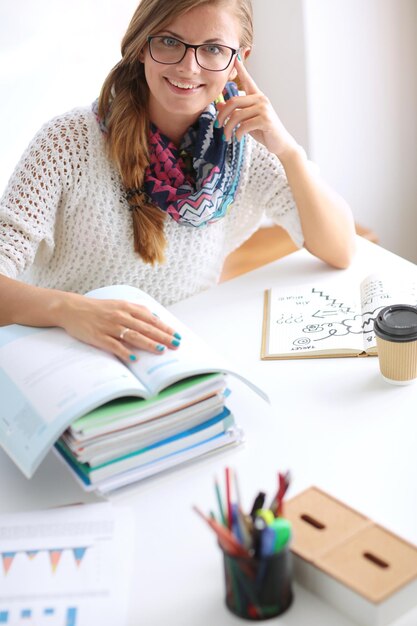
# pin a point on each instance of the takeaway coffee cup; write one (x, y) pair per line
(396, 337)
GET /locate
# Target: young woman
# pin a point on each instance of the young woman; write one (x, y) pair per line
(155, 184)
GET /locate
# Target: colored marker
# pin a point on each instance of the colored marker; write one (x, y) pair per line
(266, 514)
(282, 532)
(258, 503)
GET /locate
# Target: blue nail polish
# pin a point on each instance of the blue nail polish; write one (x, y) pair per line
(160, 348)
(216, 123)
(177, 336)
(133, 357)
(175, 342)
(239, 57)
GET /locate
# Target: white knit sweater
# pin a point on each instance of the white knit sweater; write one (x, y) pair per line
(65, 223)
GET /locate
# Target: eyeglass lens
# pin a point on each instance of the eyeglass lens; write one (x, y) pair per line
(210, 56)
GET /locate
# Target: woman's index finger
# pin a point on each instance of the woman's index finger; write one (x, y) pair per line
(246, 80)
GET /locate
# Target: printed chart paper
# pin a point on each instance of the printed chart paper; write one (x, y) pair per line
(58, 567)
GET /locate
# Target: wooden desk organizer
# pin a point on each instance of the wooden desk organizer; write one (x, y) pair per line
(360, 568)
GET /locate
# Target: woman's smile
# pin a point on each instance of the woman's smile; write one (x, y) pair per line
(183, 87)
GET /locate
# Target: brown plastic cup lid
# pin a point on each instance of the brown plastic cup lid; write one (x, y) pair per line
(397, 322)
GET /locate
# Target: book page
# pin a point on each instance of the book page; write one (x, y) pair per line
(193, 357)
(48, 379)
(312, 321)
(59, 565)
(379, 291)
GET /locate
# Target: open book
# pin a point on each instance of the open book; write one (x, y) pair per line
(48, 379)
(330, 320)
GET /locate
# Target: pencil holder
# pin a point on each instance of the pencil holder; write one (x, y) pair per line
(258, 588)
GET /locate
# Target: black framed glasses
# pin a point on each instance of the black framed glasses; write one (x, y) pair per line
(210, 56)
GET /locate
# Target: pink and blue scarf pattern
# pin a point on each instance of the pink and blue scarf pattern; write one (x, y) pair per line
(201, 194)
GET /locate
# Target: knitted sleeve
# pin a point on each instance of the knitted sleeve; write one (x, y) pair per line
(263, 193)
(28, 208)
(275, 194)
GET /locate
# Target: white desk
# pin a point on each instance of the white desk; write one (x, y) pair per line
(333, 422)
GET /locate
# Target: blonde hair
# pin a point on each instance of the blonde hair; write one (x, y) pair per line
(123, 103)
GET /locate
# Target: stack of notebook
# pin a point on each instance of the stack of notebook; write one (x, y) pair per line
(130, 439)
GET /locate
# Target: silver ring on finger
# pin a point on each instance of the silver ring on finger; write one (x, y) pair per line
(123, 333)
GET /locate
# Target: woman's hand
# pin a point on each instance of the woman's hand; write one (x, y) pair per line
(115, 325)
(254, 114)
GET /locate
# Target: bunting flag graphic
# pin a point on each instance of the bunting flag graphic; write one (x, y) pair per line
(54, 556)
(79, 555)
(7, 560)
(32, 553)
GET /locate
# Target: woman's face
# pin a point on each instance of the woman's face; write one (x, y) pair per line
(179, 93)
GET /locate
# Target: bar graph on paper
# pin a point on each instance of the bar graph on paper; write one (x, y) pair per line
(48, 616)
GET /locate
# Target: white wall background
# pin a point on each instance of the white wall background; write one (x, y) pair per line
(342, 75)
(357, 108)
(54, 55)
(278, 61)
(363, 109)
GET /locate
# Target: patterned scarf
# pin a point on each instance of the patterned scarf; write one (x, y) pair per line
(197, 182)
